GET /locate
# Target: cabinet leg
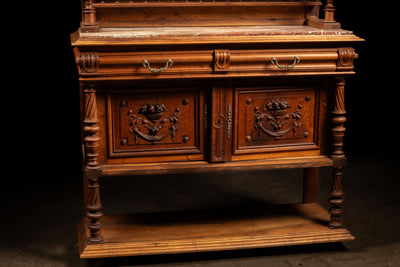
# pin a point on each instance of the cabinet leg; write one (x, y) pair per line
(92, 170)
(94, 208)
(310, 185)
(336, 198)
(338, 156)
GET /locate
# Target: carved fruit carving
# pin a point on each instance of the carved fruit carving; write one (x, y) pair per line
(273, 120)
(149, 127)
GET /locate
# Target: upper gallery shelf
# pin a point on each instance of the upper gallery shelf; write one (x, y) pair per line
(97, 14)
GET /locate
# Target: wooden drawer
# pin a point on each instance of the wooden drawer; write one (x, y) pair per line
(279, 119)
(214, 63)
(150, 65)
(155, 122)
(283, 61)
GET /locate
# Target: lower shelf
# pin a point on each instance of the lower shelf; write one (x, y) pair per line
(197, 231)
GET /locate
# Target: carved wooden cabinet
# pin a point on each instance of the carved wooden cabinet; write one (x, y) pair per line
(184, 86)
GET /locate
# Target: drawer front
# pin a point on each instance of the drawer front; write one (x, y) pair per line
(283, 61)
(283, 119)
(155, 122)
(212, 63)
(150, 65)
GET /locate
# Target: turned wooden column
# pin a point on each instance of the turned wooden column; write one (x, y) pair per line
(92, 169)
(89, 23)
(338, 156)
(329, 11)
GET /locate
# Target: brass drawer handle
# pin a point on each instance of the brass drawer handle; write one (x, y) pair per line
(285, 67)
(146, 64)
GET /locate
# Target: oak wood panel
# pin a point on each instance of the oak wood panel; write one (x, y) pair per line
(183, 232)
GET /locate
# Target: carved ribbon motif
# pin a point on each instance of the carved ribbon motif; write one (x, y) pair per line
(273, 117)
(149, 126)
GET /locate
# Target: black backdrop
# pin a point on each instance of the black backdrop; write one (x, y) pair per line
(42, 112)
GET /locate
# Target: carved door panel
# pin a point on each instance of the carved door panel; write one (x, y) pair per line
(276, 119)
(155, 122)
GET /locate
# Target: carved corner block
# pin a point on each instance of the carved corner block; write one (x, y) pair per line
(346, 56)
(88, 63)
(222, 61)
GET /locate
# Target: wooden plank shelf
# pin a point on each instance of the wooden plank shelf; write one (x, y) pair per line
(203, 166)
(201, 231)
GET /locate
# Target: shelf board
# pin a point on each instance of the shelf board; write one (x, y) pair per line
(172, 3)
(200, 231)
(210, 35)
(204, 166)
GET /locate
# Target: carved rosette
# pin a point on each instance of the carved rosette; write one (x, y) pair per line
(151, 121)
(274, 121)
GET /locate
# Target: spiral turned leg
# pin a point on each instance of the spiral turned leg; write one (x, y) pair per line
(338, 156)
(91, 129)
(94, 208)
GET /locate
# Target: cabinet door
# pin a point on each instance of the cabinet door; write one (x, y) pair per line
(278, 119)
(155, 122)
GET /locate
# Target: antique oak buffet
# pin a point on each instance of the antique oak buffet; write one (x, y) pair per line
(189, 86)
